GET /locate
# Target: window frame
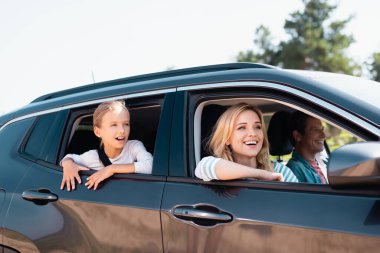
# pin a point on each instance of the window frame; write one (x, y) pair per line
(131, 103)
(205, 93)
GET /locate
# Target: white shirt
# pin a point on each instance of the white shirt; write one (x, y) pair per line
(133, 152)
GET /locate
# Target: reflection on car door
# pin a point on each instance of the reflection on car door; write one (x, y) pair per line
(267, 220)
(114, 218)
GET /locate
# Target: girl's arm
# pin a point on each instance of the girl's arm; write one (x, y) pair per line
(210, 168)
(70, 173)
(143, 164)
(106, 172)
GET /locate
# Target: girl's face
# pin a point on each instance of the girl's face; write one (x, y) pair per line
(247, 137)
(114, 130)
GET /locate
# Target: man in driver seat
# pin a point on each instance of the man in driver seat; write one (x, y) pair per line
(307, 137)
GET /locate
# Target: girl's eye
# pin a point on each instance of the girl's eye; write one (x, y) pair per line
(241, 128)
(258, 127)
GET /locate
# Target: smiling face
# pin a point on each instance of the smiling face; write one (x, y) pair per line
(114, 130)
(247, 138)
(312, 141)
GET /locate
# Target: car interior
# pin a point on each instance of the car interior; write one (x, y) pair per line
(144, 125)
(145, 120)
(276, 115)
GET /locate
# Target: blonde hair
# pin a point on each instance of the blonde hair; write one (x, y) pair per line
(223, 131)
(105, 107)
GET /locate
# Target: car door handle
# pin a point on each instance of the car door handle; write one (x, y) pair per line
(40, 196)
(202, 214)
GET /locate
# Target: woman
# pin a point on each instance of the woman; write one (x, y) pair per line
(240, 149)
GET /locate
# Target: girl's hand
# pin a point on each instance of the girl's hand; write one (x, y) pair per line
(70, 173)
(99, 176)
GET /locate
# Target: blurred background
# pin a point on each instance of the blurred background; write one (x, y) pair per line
(50, 45)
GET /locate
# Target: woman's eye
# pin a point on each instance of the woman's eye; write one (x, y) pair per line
(241, 128)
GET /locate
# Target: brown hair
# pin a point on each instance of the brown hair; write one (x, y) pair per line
(223, 131)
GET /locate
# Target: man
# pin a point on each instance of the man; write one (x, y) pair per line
(308, 139)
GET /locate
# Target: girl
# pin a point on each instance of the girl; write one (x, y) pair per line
(241, 150)
(111, 123)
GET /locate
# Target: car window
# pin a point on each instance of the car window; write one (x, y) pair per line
(207, 111)
(145, 117)
(45, 136)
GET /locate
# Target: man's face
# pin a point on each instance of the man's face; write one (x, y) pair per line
(312, 141)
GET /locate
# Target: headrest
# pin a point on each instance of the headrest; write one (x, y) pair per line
(210, 116)
(279, 134)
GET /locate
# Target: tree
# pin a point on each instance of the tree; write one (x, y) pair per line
(374, 66)
(315, 42)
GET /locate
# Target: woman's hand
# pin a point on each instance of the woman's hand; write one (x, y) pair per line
(272, 176)
(99, 176)
(70, 173)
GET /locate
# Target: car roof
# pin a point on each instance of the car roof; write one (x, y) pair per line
(198, 76)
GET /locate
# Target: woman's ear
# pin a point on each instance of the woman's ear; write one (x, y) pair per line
(97, 132)
(228, 142)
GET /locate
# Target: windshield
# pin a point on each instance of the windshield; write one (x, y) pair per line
(361, 88)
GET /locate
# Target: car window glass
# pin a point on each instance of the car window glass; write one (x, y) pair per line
(44, 139)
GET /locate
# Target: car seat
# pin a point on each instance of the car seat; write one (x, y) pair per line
(279, 135)
(210, 116)
(83, 140)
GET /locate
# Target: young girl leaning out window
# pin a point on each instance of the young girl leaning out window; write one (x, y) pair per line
(111, 122)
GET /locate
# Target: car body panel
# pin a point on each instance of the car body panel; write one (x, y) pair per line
(267, 220)
(86, 220)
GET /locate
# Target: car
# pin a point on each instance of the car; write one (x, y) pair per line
(171, 210)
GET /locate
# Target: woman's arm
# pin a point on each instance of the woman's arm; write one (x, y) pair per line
(210, 168)
(227, 170)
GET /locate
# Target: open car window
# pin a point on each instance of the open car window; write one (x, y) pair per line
(145, 117)
(207, 113)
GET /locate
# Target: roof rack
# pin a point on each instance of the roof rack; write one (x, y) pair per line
(152, 76)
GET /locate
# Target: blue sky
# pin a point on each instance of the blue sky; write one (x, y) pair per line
(50, 45)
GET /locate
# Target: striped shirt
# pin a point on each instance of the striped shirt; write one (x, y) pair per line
(205, 170)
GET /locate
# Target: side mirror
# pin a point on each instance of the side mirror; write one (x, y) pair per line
(355, 165)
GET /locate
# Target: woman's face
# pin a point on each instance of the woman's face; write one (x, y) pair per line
(247, 136)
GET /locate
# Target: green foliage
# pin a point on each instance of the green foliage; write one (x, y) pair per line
(314, 43)
(374, 66)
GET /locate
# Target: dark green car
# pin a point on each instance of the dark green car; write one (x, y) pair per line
(171, 210)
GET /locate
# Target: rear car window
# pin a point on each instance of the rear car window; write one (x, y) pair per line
(45, 137)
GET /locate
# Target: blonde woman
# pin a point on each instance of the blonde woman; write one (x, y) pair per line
(117, 154)
(240, 149)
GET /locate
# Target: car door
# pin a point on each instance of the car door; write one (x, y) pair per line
(12, 171)
(258, 216)
(123, 215)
